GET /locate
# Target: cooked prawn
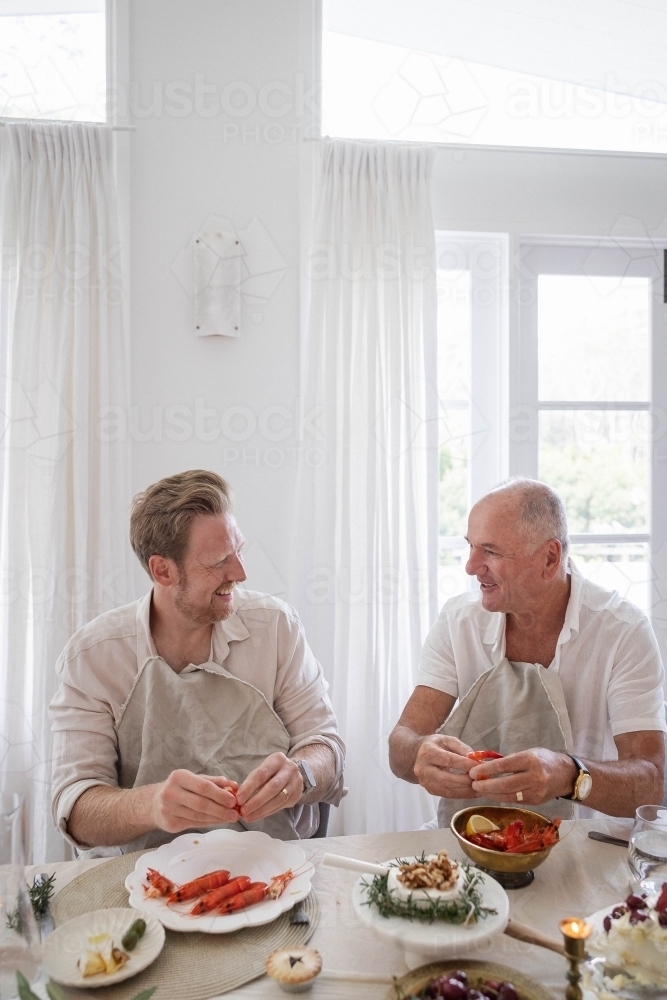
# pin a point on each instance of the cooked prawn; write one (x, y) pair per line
(213, 899)
(159, 885)
(255, 893)
(199, 886)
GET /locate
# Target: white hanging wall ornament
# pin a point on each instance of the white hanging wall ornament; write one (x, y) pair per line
(217, 283)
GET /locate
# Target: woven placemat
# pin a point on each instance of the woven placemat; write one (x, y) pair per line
(190, 966)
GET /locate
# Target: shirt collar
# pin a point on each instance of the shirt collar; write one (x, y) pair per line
(494, 635)
(571, 623)
(229, 630)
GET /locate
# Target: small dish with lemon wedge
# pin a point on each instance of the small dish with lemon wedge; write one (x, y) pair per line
(486, 834)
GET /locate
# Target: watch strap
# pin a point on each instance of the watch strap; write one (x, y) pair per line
(308, 778)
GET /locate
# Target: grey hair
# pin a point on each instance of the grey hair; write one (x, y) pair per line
(542, 510)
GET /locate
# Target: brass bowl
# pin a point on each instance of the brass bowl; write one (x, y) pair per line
(500, 861)
(415, 981)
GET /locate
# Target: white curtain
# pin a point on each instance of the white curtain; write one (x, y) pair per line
(64, 483)
(365, 547)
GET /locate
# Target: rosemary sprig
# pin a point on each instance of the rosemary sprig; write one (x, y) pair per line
(466, 908)
(40, 895)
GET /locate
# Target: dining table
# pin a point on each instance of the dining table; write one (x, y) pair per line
(579, 877)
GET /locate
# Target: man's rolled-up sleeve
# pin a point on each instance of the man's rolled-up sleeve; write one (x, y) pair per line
(636, 696)
(84, 746)
(302, 702)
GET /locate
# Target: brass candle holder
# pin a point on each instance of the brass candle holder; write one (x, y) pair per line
(575, 932)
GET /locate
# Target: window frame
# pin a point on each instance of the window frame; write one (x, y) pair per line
(486, 256)
(536, 255)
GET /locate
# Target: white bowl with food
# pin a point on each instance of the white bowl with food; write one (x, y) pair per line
(432, 886)
(103, 947)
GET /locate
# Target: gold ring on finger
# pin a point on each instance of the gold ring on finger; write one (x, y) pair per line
(519, 796)
(285, 793)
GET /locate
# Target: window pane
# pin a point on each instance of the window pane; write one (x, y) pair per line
(452, 577)
(54, 65)
(593, 337)
(454, 359)
(375, 90)
(623, 567)
(598, 461)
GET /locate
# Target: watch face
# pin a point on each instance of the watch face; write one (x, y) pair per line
(584, 786)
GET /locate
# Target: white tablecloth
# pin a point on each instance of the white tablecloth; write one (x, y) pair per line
(579, 877)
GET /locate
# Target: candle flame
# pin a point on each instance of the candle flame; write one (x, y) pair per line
(573, 927)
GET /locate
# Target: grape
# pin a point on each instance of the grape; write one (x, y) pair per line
(637, 918)
(474, 995)
(662, 918)
(606, 923)
(635, 902)
(489, 992)
(618, 911)
(661, 905)
(507, 992)
(461, 976)
(492, 984)
(452, 989)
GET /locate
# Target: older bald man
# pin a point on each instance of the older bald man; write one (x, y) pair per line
(560, 676)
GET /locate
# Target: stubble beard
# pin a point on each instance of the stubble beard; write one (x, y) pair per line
(194, 612)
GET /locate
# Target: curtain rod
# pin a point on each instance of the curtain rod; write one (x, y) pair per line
(463, 146)
(61, 121)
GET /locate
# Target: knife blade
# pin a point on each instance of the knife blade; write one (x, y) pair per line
(604, 838)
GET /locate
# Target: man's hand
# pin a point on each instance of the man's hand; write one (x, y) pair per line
(438, 760)
(187, 800)
(539, 774)
(261, 794)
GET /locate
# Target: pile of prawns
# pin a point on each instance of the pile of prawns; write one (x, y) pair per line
(216, 893)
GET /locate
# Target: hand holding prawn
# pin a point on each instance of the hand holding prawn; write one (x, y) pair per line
(539, 774)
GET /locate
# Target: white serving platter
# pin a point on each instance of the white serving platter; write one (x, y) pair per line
(437, 940)
(242, 853)
(67, 943)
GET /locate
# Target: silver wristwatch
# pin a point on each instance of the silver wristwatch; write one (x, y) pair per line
(306, 773)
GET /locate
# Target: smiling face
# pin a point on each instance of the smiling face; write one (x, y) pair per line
(512, 573)
(211, 567)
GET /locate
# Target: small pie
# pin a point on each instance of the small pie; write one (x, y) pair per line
(294, 968)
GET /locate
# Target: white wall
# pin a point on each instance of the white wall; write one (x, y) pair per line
(182, 170)
(185, 168)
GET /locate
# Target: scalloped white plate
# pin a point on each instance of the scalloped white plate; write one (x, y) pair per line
(436, 940)
(192, 855)
(66, 944)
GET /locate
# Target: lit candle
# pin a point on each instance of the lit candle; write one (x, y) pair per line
(575, 932)
(574, 928)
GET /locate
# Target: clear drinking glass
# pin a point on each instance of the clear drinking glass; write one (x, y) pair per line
(20, 947)
(647, 854)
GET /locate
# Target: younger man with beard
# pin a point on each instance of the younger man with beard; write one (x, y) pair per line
(198, 706)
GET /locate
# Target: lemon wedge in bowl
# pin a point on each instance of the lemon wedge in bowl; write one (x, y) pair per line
(479, 824)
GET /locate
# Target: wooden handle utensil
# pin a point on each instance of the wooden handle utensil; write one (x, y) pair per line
(522, 932)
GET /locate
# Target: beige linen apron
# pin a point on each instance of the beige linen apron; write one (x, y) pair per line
(511, 707)
(206, 721)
